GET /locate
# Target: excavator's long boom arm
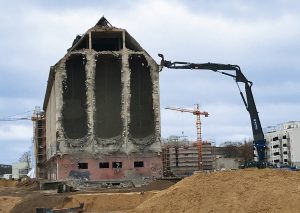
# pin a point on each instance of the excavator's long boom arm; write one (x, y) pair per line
(258, 136)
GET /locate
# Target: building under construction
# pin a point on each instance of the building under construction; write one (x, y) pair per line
(102, 111)
(182, 160)
(39, 138)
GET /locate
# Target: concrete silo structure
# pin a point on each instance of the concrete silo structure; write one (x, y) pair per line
(102, 109)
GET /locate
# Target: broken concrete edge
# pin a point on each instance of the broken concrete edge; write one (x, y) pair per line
(94, 29)
(89, 143)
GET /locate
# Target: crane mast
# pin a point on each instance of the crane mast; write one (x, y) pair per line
(198, 113)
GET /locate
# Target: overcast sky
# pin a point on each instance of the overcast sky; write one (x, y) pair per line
(262, 37)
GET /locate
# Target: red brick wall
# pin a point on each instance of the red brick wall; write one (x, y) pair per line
(68, 166)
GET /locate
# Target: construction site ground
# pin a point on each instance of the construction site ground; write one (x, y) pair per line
(250, 190)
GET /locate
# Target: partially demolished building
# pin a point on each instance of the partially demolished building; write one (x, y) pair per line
(102, 109)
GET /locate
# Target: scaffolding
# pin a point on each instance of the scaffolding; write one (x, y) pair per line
(182, 160)
(166, 162)
(39, 132)
(208, 155)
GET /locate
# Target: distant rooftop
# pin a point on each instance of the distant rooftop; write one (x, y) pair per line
(282, 126)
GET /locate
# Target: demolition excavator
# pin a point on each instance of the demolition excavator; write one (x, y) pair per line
(258, 136)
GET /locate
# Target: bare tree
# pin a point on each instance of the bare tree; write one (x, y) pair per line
(239, 150)
(246, 152)
(26, 157)
(231, 149)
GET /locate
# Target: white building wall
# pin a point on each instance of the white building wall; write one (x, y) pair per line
(283, 144)
(226, 163)
(295, 146)
(51, 123)
(19, 170)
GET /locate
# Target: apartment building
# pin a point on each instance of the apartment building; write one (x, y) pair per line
(283, 143)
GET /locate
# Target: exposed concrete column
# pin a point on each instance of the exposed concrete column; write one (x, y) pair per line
(60, 76)
(154, 73)
(155, 96)
(125, 79)
(90, 93)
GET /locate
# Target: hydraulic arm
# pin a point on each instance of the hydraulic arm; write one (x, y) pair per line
(258, 136)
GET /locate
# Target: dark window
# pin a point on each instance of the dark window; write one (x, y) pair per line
(275, 146)
(276, 161)
(284, 145)
(117, 165)
(138, 163)
(104, 165)
(74, 110)
(82, 165)
(284, 137)
(285, 160)
(275, 139)
(285, 152)
(276, 153)
(108, 121)
(107, 41)
(142, 118)
(115, 184)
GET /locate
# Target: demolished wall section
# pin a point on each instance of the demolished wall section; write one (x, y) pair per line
(117, 143)
(107, 85)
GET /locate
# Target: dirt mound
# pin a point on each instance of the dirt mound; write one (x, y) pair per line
(8, 183)
(107, 202)
(252, 190)
(28, 182)
(96, 202)
(31, 201)
(7, 203)
(157, 185)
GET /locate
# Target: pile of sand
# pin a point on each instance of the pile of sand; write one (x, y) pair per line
(266, 190)
(8, 183)
(107, 202)
(7, 203)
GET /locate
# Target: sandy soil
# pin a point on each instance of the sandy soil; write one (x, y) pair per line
(106, 202)
(7, 200)
(22, 197)
(242, 191)
(7, 203)
(234, 191)
(8, 183)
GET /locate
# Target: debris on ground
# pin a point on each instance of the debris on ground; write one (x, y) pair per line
(249, 190)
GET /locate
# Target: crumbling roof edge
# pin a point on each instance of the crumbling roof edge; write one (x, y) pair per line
(94, 29)
(49, 87)
(138, 45)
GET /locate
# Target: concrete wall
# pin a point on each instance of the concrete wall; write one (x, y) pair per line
(226, 163)
(19, 170)
(51, 121)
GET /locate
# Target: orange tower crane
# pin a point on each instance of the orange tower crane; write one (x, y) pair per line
(196, 112)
